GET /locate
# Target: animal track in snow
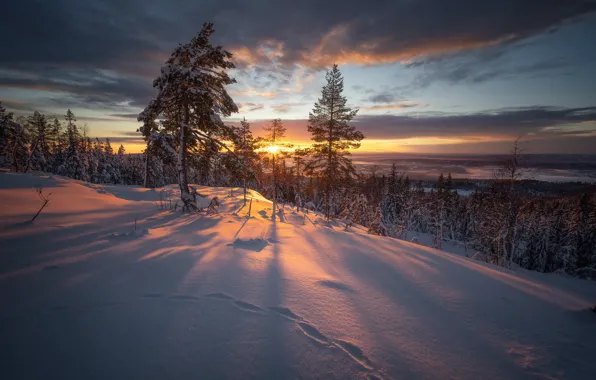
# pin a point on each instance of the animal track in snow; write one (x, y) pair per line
(312, 332)
(352, 351)
(355, 352)
(336, 285)
(285, 312)
(247, 306)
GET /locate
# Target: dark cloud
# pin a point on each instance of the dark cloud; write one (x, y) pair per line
(126, 115)
(478, 67)
(382, 98)
(134, 134)
(47, 43)
(115, 32)
(87, 88)
(16, 105)
(508, 122)
(543, 122)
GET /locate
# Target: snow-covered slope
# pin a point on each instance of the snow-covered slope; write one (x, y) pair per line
(84, 295)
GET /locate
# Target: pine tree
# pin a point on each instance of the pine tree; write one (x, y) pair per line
(245, 146)
(438, 211)
(192, 96)
(40, 149)
(7, 134)
(73, 164)
(299, 158)
(58, 145)
(274, 133)
(14, 140)
(333, 136)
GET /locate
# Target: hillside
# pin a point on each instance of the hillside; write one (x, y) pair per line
(84, 294)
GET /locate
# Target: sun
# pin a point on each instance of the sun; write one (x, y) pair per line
(273, 149)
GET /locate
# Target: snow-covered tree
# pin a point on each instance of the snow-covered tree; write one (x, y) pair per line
(333, 136)
(73, 163)
(192, 97)
(40, 142)
(8, 135)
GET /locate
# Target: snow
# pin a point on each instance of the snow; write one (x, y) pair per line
(86, 295)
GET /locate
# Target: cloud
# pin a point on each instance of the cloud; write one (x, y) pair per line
(126, 115)
(252, 92)
(382, 98)
(507, 123)
(390, 106)
(539, 122)
(249, 107)
(17, 105)
(87, 88)
(104, 54)
(478, 67)
(284, 108)
(115, 33)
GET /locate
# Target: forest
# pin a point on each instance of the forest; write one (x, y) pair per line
(188, 142)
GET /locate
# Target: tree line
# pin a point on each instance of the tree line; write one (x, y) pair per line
(188, 142)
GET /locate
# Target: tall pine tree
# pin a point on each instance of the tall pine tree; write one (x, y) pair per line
(192, 96)
(333, 136)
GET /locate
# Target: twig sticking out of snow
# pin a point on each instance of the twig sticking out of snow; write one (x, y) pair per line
(213, 206)
(44, 198)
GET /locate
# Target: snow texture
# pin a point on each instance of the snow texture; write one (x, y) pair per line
(85, 295)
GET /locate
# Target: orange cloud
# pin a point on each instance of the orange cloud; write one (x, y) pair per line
(252, 92)
(268, 50)
(332, 49)
(281, 108)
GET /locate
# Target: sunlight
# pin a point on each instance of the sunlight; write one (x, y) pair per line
(273, 149)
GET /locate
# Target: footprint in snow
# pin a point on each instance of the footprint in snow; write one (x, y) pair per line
(312, 332)
(284, 311)
(247, 306)
(355, 352)
(336, 285)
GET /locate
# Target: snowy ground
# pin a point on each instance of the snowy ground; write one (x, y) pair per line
(84, 296)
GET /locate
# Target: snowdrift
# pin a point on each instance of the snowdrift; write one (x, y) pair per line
(109, 283)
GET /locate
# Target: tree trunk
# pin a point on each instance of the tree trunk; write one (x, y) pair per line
(29, 158)
(245, 191)
(274, 191)
(146, 176)
(185, 195)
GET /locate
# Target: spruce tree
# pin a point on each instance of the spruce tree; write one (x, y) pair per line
(73, 164)
(245, 146)
(192, 97)
(40, 149)
(333, 136)
(7, 133)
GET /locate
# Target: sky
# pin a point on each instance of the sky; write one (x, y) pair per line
(428, 76)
